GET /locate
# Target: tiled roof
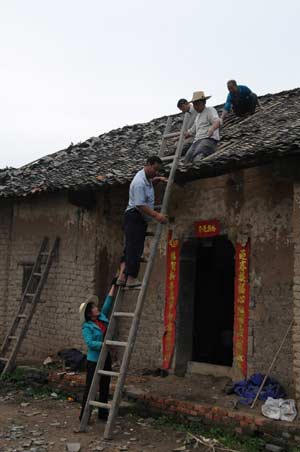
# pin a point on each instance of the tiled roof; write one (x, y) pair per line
(114, 157)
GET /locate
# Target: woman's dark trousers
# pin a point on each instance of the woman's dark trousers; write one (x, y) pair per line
(103, 386)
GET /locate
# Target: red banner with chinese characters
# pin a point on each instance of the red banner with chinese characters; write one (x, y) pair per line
(207, 228)
(171, 300)
(241, 306)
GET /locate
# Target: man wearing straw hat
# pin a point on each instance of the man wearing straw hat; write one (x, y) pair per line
(94, 324)
(205, 129)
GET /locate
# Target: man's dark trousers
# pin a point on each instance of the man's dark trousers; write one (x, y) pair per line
(242, 105)
(103, 386)
(135, 228)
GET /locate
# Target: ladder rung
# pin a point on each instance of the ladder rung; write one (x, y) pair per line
(12, 338)
(29, 294)
(3, 359)
(21, 316)
(131, 288)
(37, 274)
(110, 373)
(100, 404)
(171, 135)
(123, 314)
(167, 158)
(116, 343)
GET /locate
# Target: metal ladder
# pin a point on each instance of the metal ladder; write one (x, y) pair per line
(29, 300)
(117, 312)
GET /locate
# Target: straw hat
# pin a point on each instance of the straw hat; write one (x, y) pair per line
(199, 95)
(82, 307)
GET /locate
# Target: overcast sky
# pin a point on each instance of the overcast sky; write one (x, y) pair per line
(72, 69)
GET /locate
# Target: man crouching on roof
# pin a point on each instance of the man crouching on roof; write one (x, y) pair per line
(94, 326)
(205, 129)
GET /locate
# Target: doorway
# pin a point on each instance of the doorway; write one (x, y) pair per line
(205, 315)
(214, 302)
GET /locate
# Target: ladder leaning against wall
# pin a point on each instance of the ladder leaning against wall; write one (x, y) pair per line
(118, 313)
(29, 301)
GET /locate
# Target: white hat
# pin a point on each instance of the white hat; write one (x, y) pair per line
(199, 95)
(82, 307)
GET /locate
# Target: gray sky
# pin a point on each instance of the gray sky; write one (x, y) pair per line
(73, 69)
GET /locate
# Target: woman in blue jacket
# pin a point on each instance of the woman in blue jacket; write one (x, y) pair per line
(94, 325)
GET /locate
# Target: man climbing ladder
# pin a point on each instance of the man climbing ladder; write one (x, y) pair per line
(139, 212)
(118, 314)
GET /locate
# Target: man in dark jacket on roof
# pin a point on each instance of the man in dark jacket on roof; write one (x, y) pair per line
(240, 99)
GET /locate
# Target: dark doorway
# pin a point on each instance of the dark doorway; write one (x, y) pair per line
(214, 302)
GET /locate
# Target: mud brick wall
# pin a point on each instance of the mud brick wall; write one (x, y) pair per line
(257, 205)
(5, 242)
(55, 324)
(252, 204)
(296, 311)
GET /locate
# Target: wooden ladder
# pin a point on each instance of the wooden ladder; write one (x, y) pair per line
(29, 301)
(117, 312)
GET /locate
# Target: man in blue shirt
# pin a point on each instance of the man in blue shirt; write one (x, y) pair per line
(240, 99)
(139, 212)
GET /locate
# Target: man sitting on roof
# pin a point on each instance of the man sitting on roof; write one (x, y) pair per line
(205, 129)
(240, 99)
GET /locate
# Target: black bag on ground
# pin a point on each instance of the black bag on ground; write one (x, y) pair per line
(73, 358)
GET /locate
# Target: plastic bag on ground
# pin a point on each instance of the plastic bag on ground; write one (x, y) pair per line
(279, 409)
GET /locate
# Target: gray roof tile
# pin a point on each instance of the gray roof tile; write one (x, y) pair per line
(114, 157)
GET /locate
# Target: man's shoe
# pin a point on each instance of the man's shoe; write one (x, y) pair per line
(120, 282)
(133, 283)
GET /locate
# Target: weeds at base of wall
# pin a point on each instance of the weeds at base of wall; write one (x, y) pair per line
(30, 383)
(227, 438)
(224, 435)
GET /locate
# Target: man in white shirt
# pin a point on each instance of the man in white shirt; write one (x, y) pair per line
(205, 129)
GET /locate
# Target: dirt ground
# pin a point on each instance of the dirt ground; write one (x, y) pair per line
(48, 425)
(33, 418)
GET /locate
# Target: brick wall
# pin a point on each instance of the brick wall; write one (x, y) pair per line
(55, 324)
(296, 290)
(252, 203)
(5, 233)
